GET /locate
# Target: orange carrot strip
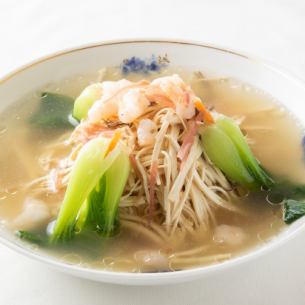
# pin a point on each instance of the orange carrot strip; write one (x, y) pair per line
(114, 141)
(206, 114)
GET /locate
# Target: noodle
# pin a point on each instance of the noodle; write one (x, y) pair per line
(187, 194)
(173, 209)
(181, 263)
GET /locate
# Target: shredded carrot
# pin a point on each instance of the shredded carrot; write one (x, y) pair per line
(207, 117)
(114, 141)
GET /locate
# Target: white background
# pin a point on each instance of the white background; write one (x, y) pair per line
(273, 29)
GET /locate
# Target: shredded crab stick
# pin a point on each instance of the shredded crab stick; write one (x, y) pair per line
(152, 188)
(188, 140)
(192, 130)
(189, 137)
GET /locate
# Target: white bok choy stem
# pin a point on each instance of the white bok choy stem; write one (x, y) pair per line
(89, 167)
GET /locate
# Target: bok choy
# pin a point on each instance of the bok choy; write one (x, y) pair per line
(90, 165)
(54, 111)
(293, 210)
(292, 198)
(85, 100)
(30, 237)
(227, 148)
(104, 199)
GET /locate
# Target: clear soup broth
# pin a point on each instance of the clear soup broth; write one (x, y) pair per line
(272, 133)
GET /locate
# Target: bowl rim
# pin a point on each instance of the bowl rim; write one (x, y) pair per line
(129, 278)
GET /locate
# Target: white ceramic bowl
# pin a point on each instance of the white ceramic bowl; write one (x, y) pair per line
(193, 56)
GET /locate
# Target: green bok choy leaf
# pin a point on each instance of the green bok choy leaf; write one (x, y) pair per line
(293, 210)
(54, 112)
(104, 199)
(227, 148)
(89, 167)
(292, 197)
(85, 100)
(30, 237)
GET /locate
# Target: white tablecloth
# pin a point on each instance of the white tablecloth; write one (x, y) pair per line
(272, 29)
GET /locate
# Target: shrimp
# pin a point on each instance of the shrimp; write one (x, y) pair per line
(34, 213)
(128, 101)
(178, 92)
(132, 105)
(151, 260)
(107, 105)
(146, 132)
(123, 99)
(229, 235)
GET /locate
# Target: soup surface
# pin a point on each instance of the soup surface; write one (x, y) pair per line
(272, 133)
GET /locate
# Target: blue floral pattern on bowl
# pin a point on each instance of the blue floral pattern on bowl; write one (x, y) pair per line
(138, 65)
